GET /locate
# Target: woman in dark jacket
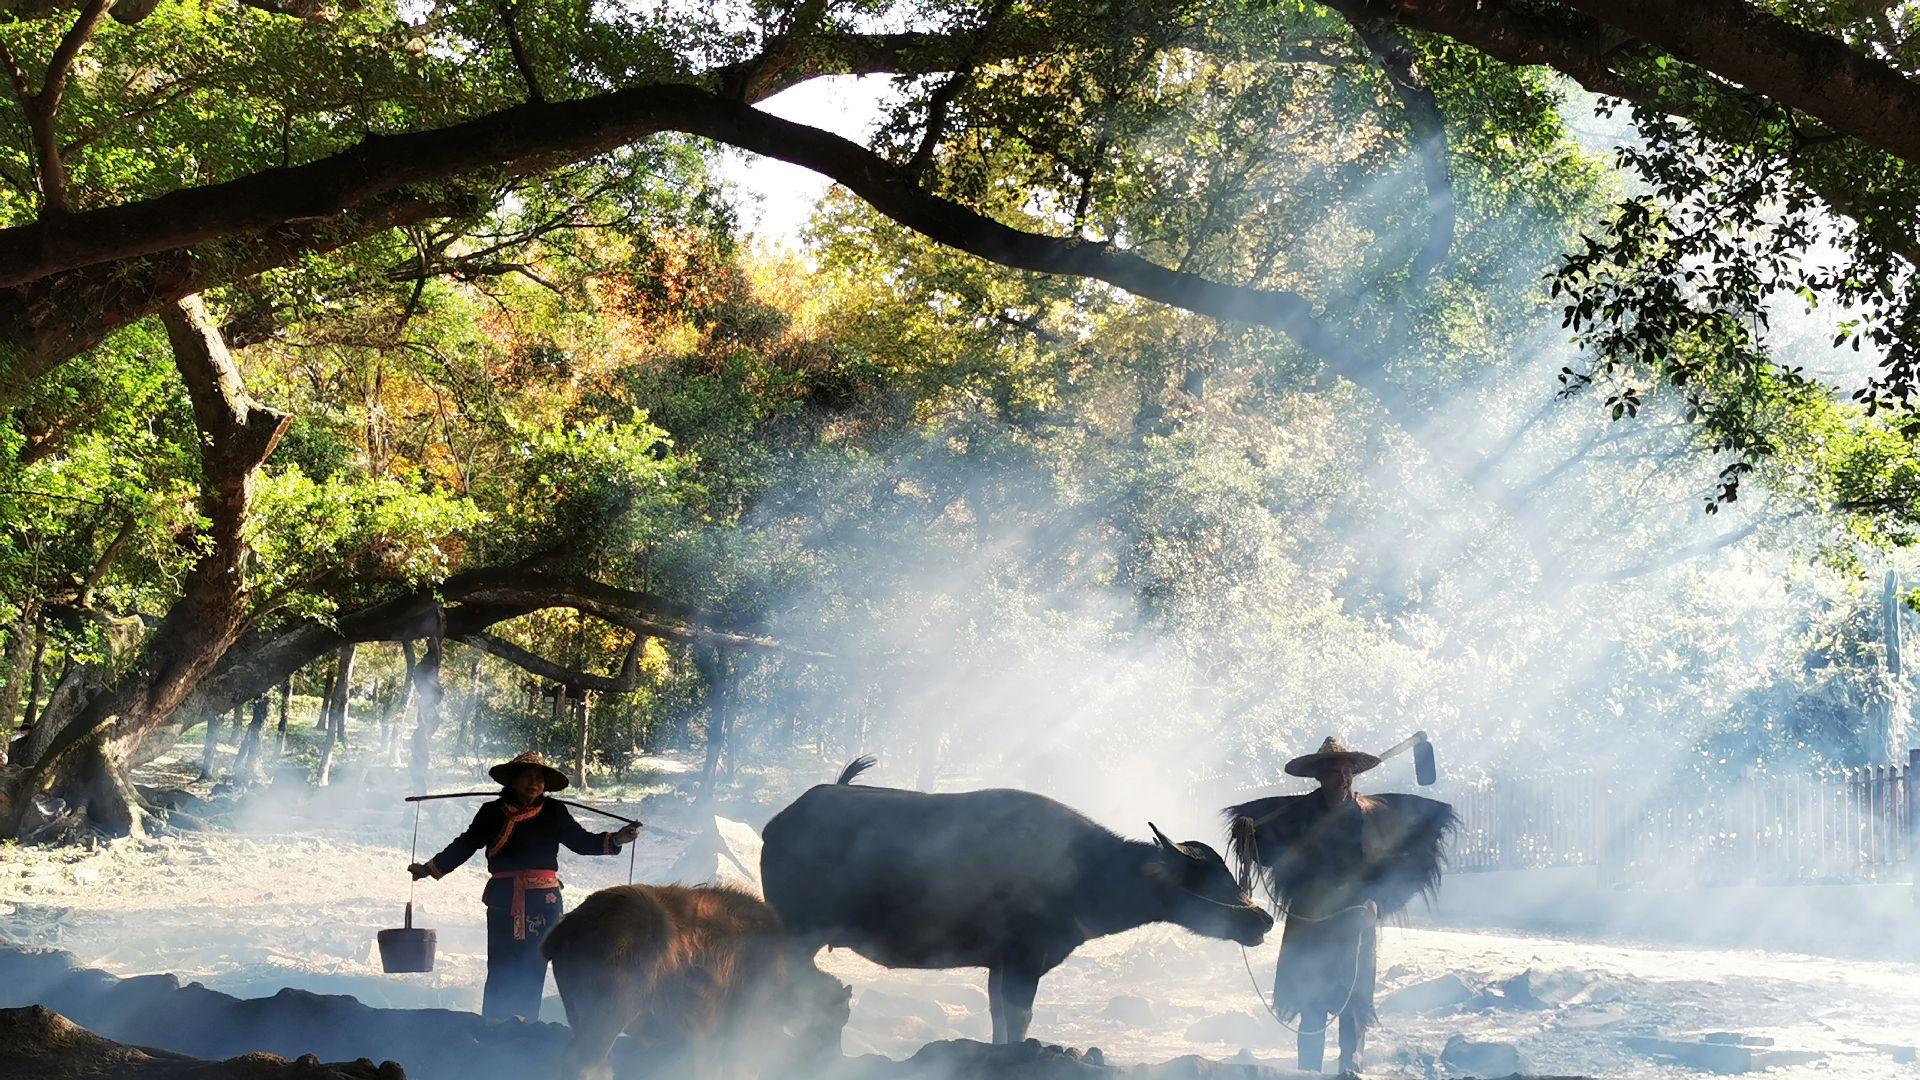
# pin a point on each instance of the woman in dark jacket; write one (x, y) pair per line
(522, 832)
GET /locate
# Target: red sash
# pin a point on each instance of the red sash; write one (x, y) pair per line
(522, 881)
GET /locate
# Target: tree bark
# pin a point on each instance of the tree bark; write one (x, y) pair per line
(711, 662)
(584, 709)
(32, 715)
(280, 734)
(237, 434)
(210, 745)
(427, 706)
(470, 724)
(237, 437)
(22, 644)
(395, 715)
(334, 713)
(246, 763)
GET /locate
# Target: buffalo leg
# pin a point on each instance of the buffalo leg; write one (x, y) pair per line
(997, 1003)
(597, 1014)
(1017, 988)
(1313, 1039)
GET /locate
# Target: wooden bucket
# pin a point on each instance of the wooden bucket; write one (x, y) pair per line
(405, 949)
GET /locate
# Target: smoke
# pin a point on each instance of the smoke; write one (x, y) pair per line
(1143, 628)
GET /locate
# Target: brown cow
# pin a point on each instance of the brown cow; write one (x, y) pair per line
(702, 970)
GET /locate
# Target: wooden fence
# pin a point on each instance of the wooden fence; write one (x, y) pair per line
(1852, 826)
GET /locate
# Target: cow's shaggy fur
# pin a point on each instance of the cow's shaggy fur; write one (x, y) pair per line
(701, 971)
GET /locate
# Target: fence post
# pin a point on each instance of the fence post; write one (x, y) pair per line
(1913, 818)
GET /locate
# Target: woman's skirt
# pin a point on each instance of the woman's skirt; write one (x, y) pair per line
(516, 972)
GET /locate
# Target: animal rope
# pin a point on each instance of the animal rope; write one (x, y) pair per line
(1286, 911)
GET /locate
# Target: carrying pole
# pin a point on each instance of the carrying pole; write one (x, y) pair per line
(495, 795)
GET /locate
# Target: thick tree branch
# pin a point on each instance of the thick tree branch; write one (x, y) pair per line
(61, 316)
(522, 61)
(1426, 126)
(1819, 75)
(61, 66)
(43, 108)
(627, 679)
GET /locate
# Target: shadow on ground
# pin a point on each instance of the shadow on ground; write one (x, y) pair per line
(108, 1021)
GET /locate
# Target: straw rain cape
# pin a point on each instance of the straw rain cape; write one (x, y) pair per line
(1318, 861)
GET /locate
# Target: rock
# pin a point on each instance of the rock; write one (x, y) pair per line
(43, 1045)
(1446, 992)
(966, 998)
(1129, 1010)
(1518, 992)
(1235, 1029)
(726, 852)
(1569, 987)
(1594, 1017)
(1720, 1056)
(1732, 1039)
(909, 1030)
(966, 1060)
(881, 1005)
(1904, 1055)
(1465, 1057)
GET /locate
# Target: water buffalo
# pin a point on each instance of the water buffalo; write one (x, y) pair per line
(704, 971)
(1006, 880)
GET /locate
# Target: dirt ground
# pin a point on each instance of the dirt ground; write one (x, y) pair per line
(278, 902)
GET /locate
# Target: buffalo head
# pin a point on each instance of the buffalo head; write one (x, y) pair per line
(819, 1006)
(1201, 893)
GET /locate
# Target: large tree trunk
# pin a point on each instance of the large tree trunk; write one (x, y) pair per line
(427, 702)
(333, 713)
(85, 762)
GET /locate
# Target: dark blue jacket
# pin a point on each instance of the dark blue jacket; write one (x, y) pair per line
(519, 841)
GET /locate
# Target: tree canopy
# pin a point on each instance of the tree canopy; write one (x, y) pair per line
(1210, 328)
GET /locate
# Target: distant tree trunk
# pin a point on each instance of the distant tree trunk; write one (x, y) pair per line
(211, 744)
(729, 746)
(683, 722)
(470, 724)
(246, 764)
(427, 705)
(333, 713)
(34, 677)
(396, 715)
(712, 664)
(23, 644)
(585, 711)
(286, 705)
(323, 717)
(560, 716)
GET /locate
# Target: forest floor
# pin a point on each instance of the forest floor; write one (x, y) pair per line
(291, 893)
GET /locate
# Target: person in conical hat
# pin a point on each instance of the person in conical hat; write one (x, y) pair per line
(522, 832)
(1335, 861)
